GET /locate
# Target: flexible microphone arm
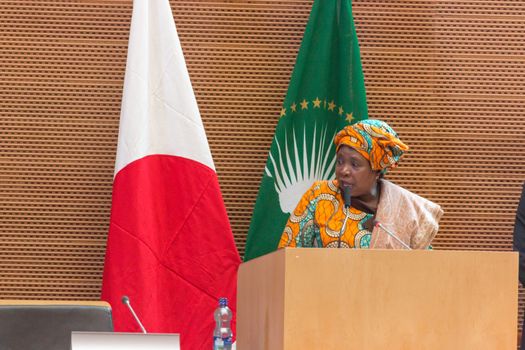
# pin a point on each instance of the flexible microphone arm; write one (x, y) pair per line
(342, 229)
(125, 301)
(391, 234)
(347, 198)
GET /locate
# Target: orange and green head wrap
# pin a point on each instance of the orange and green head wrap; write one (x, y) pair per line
(375, 140)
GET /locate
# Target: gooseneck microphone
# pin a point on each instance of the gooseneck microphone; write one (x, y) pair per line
(347, 198)
(125, 301)
(391, 234)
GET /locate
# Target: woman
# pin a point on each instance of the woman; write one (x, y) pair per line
(380, 213)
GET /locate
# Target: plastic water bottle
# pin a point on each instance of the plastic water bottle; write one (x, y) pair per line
(222, 335)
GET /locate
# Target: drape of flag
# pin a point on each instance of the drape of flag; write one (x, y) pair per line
(170, 246)
(326, 92)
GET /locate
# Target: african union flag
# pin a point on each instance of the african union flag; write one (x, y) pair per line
(326, 92)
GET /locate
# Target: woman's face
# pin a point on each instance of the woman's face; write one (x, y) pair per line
(352, 169)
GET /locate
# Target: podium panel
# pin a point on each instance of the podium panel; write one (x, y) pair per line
(124, 341)
(308, 298)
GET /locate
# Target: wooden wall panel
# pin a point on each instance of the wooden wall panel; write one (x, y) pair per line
(62, 68)
(448, 75)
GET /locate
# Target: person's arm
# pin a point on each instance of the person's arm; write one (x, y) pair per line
(519, 235)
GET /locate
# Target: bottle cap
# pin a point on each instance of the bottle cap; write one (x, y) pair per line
(223, 301)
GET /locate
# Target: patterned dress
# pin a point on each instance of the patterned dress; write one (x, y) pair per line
(318, 218)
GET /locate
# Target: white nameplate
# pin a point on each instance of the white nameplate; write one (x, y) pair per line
(124, 341)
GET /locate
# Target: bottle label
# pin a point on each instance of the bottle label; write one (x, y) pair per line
(222, 343)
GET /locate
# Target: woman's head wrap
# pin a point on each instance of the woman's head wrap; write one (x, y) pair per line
(375, 140)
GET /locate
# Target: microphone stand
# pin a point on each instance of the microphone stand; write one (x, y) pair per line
(125, 301)
(342, 229)
(391, 234)
(347, 200)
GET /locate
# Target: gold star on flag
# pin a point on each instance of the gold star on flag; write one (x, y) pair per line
(331, 105)
(341, 110)
(304, 104)
(349, 117)
(293, 107)
(317, 103)
(283, 112)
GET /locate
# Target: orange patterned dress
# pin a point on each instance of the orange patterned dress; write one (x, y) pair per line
(318, 218)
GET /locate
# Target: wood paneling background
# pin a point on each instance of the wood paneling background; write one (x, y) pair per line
(449, 76)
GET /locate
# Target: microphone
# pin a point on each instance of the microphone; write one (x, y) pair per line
(391, 234)
(347, 198)
(125, 301)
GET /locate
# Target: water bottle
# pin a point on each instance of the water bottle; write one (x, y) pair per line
(222, 335)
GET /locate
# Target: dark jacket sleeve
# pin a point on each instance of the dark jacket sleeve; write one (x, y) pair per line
(519, 235)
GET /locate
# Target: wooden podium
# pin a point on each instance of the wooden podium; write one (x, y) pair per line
(308, 298)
